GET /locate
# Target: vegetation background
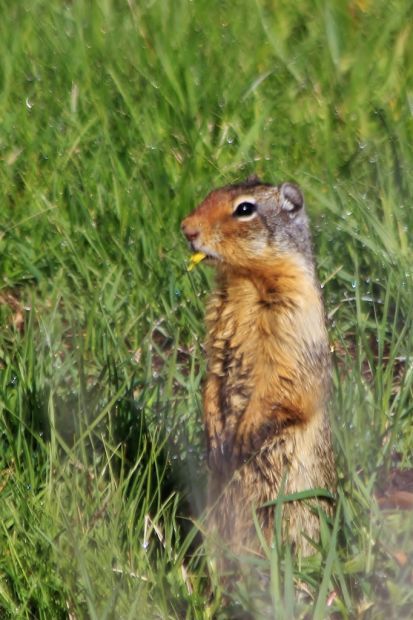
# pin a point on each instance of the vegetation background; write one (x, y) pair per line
(117, 117)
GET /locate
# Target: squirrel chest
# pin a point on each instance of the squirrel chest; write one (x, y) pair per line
(268, 361)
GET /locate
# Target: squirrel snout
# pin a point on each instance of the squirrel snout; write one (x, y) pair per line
(190, 232)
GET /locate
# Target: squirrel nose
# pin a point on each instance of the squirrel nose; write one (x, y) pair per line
(190, 232)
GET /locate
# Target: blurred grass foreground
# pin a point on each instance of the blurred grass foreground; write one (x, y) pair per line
(117, 117)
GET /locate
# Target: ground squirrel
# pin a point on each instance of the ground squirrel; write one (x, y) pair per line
(268, 378)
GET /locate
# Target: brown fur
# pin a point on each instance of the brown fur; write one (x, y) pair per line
(267, 385)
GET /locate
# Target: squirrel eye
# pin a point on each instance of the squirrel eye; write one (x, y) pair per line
(245, 209)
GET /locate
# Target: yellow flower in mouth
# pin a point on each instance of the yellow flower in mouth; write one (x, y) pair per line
(195, 259)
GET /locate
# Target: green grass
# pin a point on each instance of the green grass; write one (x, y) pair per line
(116, 119)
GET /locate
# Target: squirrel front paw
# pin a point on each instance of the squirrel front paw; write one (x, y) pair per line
(251, 437)
(219, 455)
(233, 448)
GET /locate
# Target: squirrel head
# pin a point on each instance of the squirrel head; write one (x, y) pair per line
(250, 226)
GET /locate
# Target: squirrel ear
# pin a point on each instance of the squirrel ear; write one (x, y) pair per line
(292, 199)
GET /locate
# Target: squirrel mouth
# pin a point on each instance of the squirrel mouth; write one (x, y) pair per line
(198, 257)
